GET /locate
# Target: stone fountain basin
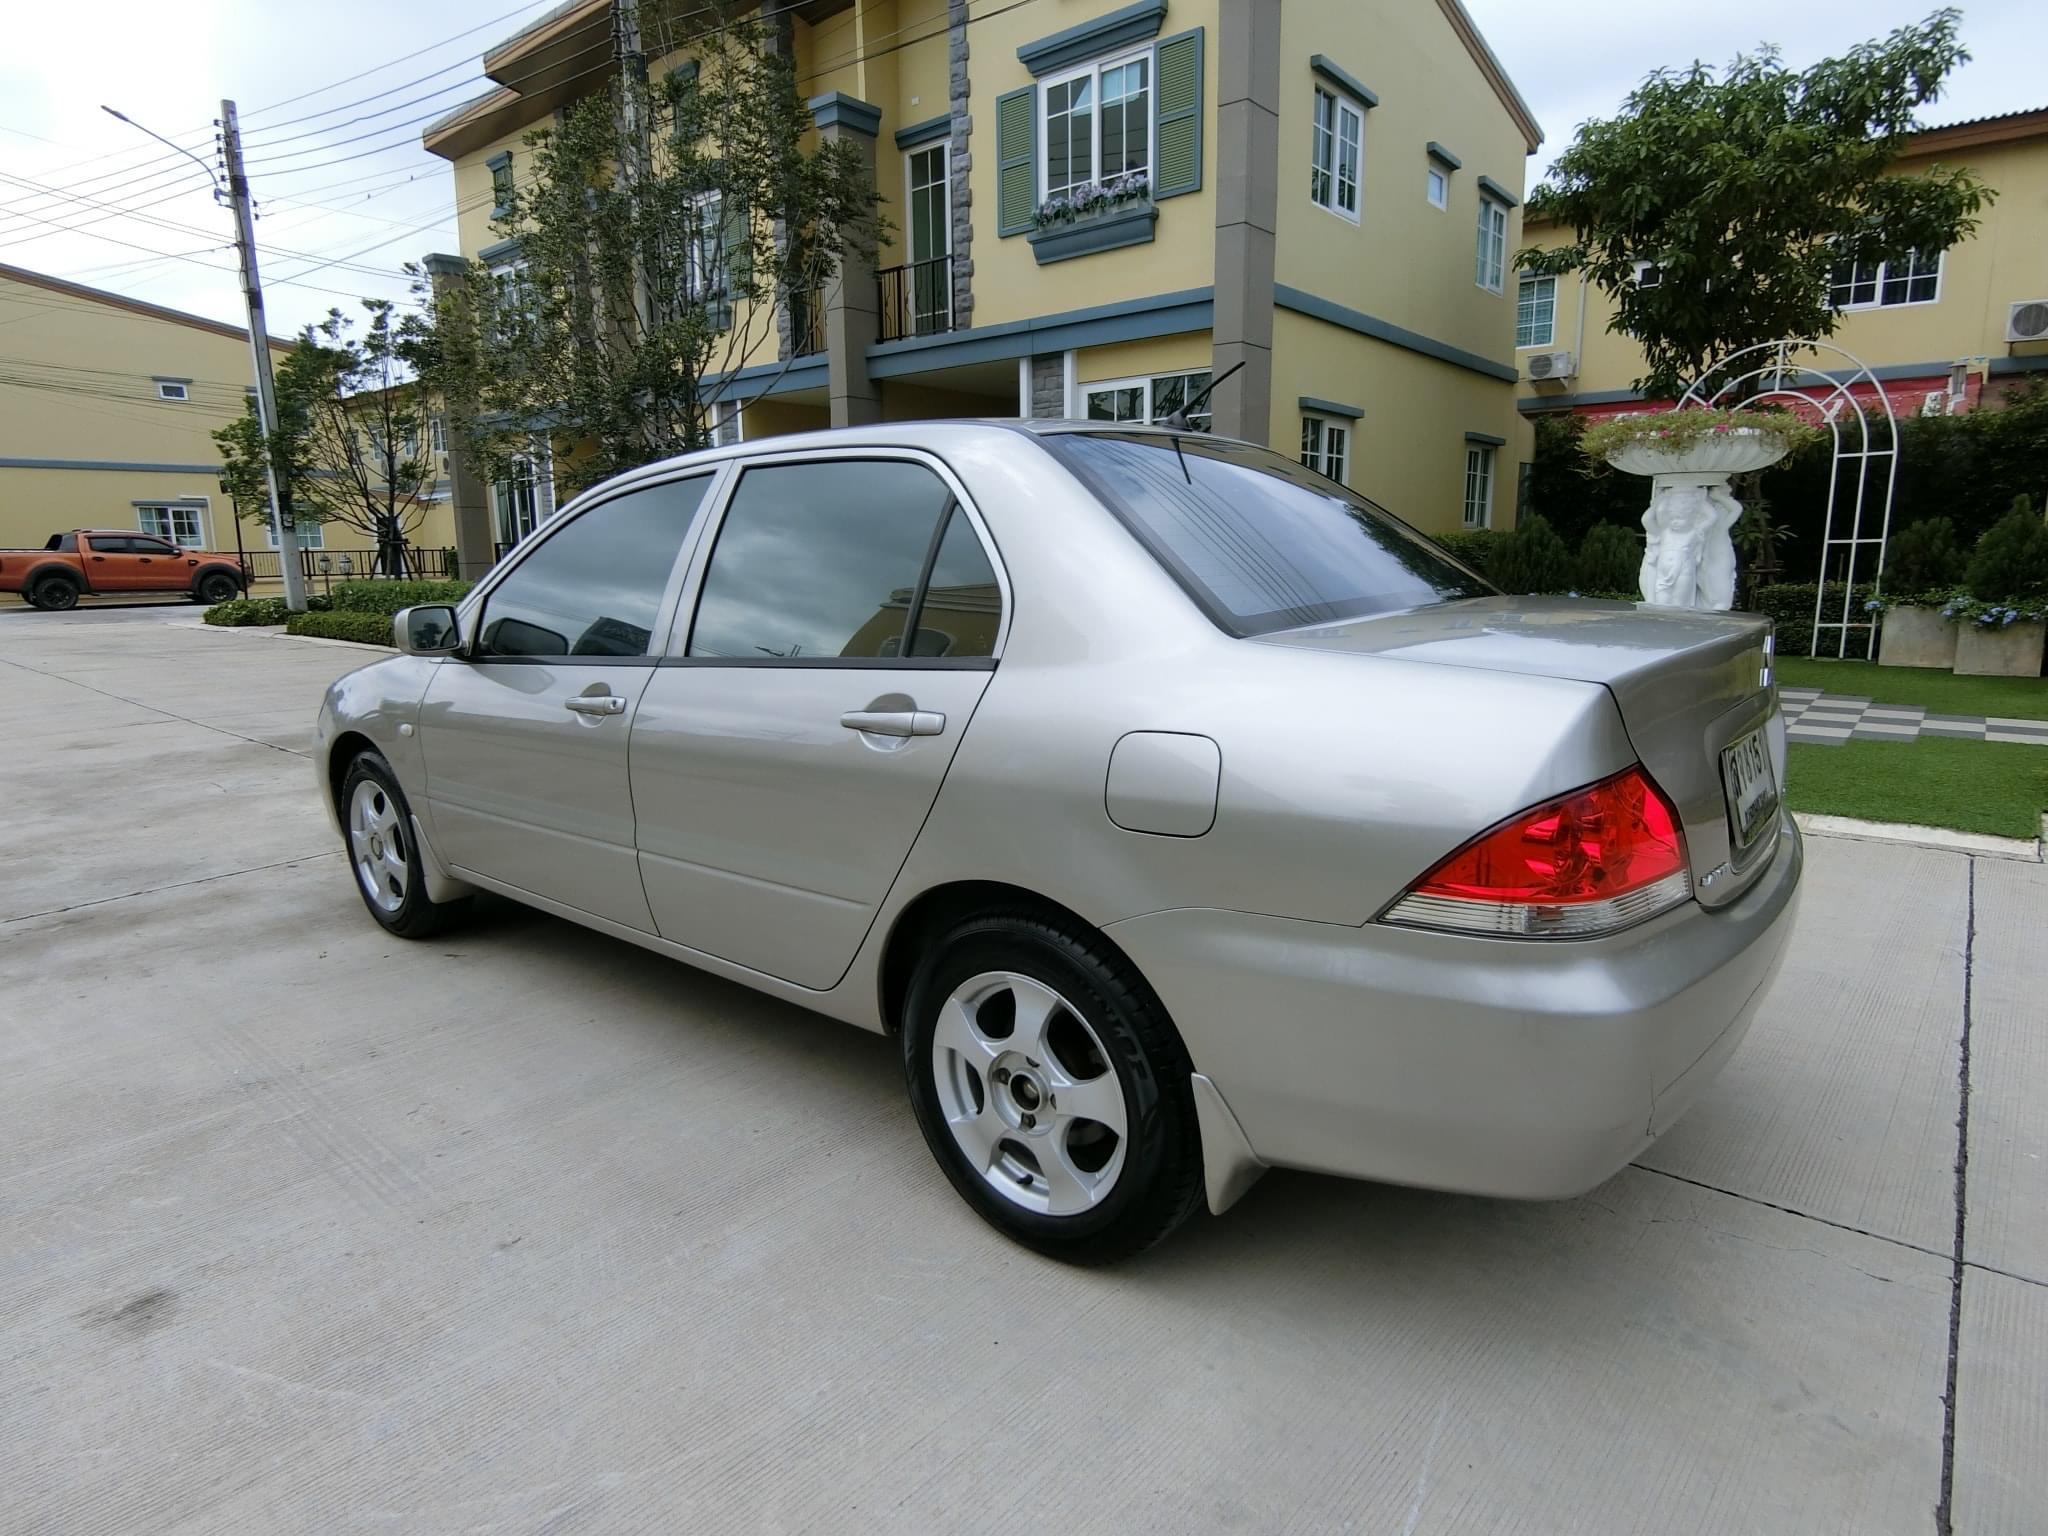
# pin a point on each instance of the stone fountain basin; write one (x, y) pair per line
(1721, 453)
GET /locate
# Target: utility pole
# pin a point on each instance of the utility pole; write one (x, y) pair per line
(259, 344)
(632, 169)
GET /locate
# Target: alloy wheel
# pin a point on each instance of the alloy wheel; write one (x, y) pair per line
(376, 840)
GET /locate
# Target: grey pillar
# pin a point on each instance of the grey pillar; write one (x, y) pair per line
(958, 163)
(1049, 386)
(476, 549)
(1247, 213)
(853, 320)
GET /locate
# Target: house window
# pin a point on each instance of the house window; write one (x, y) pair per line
(501, 184)
(179, 524)
(704, 276)
(1334, 150)
(1536, 312)
(1325, 446)
(926, 180)
(1148, 400)
(1649, 274)
(173, 389)
(1098, 124)
(1438, 189)
(525, 497)
(306, 533)
(437, 434)
(1913, 279)
(1490, 269)
(1478, 485)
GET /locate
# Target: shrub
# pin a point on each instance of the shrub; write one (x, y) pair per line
(1610, 560)
(1474, 547)
(2012, 557)
(240, 612)
(387, 597)
(1532, 559)
(1924, 557)
(1789, 606)
(343, 624)
(1677, 430)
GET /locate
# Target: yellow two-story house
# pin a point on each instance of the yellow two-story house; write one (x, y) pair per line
(1326, 191)
(1940, 333)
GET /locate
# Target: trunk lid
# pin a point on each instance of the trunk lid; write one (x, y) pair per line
(1687, 682)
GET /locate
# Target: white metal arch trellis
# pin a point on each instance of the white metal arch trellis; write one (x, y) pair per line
(1772, 368)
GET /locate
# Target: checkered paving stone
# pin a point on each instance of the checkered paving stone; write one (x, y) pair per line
(1829, 719)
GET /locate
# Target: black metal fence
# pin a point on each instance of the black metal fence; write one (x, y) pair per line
(324, 567)
(917, 298)
(807, 322)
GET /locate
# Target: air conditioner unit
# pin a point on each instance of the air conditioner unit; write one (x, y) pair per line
(2027, 321)
(1552, 365)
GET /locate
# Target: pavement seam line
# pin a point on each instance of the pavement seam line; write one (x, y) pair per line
(1944, 1512)
(175, 885)
(1789, 1210)
(153, 708)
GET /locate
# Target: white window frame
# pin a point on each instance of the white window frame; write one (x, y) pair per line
(1550, 333)
(703, 275)
(1490, 245)
(1877, 288)
(940, 317)
(179, 390)
(1326, 446)
(1344, 111)
(437, 434)
(1643, 268)
(1092, 71)
(540, 481)
(307, 534)
(1146, 385)
(172, 511)
(1437, 187)
(1480, 462)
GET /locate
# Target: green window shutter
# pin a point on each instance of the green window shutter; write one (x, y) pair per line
(736, 259)
(1177, 66)
(1016, 160)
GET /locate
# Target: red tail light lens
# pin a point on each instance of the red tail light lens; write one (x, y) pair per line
(1592, 861)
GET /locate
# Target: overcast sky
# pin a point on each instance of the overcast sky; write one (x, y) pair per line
(65, 163)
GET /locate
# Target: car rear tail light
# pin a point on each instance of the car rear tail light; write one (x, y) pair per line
(1590, 862)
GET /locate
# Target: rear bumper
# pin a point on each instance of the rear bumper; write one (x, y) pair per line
(1521, 1068)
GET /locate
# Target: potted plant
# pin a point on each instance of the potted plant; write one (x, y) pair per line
(1922, 564)
(1097, 216)
(2000, 626)
(1688, 556)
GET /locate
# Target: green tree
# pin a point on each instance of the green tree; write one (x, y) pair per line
(1924, 556)
(1610, 560)
(1747, 188)
(2012, 558)
(665, 234)
(1531, 559)
(351, 443)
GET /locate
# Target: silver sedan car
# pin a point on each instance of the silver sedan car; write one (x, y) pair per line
(1182, 813)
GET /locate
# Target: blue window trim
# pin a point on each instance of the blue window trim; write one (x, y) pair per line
(1316, 407)
(1486, 438)
(1498, 193)
(918, 134)
(836, 109)
(1166, 314)
(491, 255)
(1302, 302)
(1343, 79)
(1078, 44)
(1442, 156)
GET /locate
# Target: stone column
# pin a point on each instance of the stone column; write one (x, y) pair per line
(1049, 386)
(475, 540)
(1247, 213)
(960, 196)
(853, 319)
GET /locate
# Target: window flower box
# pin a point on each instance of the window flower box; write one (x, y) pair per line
(1100, 216)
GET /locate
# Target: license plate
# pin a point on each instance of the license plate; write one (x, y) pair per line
(1751, 787)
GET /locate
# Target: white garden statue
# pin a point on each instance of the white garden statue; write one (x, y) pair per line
(1689, 551)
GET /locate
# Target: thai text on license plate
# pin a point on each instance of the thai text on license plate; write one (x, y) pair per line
(1751, 787)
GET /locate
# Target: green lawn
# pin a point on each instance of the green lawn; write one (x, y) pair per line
(1994, 787)
(1942, 693)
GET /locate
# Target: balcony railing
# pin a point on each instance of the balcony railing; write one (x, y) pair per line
(917, 298)
(807, 322)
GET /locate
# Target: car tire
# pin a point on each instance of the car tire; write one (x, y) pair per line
(53, 594)
(1007, 1012)
(384, 856)
(216, 587)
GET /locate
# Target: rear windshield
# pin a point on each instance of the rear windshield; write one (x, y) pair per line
(1260, 542)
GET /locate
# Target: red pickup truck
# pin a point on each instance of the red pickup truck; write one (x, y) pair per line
(111, 560)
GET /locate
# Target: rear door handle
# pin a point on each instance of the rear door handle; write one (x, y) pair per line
(894, 722)
(595, 704)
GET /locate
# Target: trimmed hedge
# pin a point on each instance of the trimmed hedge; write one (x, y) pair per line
(241, 612)
(342, 624)
(1789, 606)
(387, 597)
(1474, 547)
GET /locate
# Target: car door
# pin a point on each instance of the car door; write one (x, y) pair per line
(114, 563)
(524, 735)
(789, 748)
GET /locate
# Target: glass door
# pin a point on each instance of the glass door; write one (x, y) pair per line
(931, 278)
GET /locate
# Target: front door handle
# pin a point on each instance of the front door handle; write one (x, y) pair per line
(595, 704)
(894, 722)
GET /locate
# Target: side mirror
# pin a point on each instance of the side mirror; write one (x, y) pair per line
(428, 630)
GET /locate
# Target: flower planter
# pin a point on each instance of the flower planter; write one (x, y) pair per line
(1916, 637)
(1130, 224)
(1688, 557)
(1991, 651)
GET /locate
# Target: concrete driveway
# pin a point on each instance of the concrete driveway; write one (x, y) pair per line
(307, 1229)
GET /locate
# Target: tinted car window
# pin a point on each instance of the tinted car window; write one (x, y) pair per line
(963, 606)
(111, 545)
(819, 560)
(594, 588)
(1260, 542)
(150, 547)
